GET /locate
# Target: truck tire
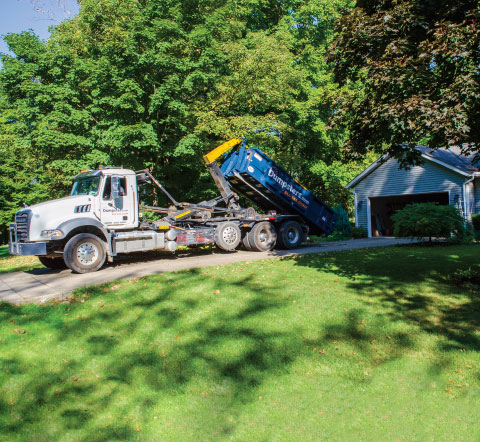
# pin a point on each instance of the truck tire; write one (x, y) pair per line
(290, 235)
(227, 236)
(262, 237)
(53, 263)
(85, 253)
(246, 243)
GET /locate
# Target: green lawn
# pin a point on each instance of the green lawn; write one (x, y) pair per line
(9, 263)
(366, 345)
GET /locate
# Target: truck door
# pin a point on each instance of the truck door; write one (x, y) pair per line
(117, 203)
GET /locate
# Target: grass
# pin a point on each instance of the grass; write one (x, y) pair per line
(15, 263)
(364, 345)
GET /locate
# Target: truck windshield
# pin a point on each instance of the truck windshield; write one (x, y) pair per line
(86, 186)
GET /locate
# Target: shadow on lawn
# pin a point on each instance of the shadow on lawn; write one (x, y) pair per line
(441, 308)
(151, 345)
(161, 338)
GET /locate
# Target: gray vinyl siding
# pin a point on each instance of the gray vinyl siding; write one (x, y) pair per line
(388, 179)
(476, 193)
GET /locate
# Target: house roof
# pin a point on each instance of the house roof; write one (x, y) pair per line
(451, 158)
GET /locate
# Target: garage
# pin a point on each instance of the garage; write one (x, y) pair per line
(443, 176)
(383, 207)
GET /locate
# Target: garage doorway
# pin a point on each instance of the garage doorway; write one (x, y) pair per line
(383, 207)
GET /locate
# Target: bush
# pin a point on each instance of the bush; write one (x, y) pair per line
(466, 277)
(428, 220)
(342, 225)
(476, 222)
(358, 232)
(337, 236)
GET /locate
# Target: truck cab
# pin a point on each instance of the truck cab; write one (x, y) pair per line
(113, 194)
(101, 202)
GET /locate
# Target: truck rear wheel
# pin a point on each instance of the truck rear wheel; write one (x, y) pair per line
(290, 235)
(246, 243)
(227, 236)
(262, 237)
(53, 263)
(85, 253)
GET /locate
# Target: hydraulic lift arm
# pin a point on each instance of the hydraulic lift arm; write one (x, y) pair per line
(222, 184)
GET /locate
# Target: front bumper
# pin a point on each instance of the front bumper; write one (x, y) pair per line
(27, 248)
(16, 247)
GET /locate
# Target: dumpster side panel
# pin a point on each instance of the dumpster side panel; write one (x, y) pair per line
(254, 174)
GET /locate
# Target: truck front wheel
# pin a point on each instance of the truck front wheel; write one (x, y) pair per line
(85, 253)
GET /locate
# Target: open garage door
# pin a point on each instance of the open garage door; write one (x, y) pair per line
(383, 207)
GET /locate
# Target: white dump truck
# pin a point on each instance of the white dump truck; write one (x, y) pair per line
(101, 217)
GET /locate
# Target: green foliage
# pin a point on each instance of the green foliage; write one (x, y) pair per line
(476, 222)
(359, 232)
(158, 84)
(21, 179)
(337, 236)
(418, 64)
(342, 224)
(469, 277)
(428, 220)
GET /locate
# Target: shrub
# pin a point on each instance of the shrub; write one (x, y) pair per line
(476, 222)
(342, 225)
(358, 232)
(337, 236)
(428, 220)
(470, 276)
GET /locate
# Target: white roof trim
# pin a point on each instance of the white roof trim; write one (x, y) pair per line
(385, 157)
(448, 166)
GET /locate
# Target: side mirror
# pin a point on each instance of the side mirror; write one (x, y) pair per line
(115, 187)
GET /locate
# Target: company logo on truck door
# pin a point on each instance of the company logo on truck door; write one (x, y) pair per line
(295, 194)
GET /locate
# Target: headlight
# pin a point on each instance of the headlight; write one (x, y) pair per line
(51, 233)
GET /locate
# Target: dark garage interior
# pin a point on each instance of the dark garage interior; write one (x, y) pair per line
(383, 207)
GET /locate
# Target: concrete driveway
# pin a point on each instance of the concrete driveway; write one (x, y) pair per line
(42, 285)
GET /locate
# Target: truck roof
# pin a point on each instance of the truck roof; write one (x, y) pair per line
(102, 172)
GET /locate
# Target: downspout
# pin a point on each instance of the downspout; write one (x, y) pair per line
(355, 205)
(466, 198)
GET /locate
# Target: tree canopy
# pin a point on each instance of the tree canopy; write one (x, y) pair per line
(417, 62)
(158, 83)
(323, 86)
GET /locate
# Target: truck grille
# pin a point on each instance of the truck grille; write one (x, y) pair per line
(22, 224)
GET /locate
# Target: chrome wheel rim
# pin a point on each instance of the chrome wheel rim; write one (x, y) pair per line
(264, 236)
(230, 235)
(87, 253)
(292, 235)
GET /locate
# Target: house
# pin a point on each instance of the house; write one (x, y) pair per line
(445, 177)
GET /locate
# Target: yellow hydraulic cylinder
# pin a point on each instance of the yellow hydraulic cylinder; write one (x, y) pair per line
(211, 156)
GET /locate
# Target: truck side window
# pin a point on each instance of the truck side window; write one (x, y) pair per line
(123, 186)
(107, 190)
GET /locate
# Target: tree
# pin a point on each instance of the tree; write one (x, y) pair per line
(21, 180)
(417, 62)
(158, 83)
(342, 224)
